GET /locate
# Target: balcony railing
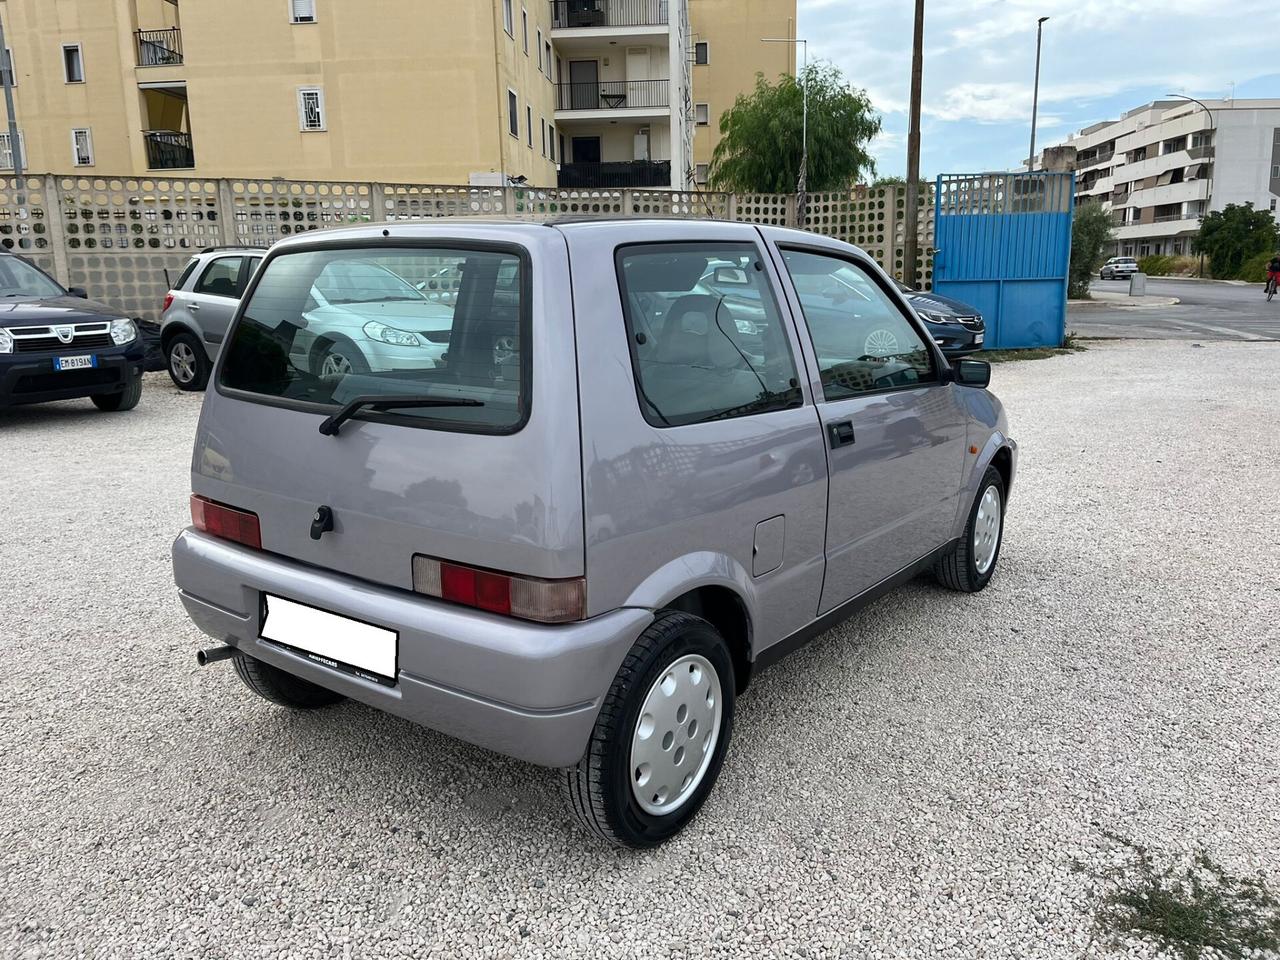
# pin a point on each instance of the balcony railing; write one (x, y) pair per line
(1171, 217)
(609, 13)
(612, 95)
(630, 173)
(159, 48)
(168, 150)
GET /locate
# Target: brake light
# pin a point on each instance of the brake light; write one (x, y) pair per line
(168, 299)
(219, 520)
(546, 601)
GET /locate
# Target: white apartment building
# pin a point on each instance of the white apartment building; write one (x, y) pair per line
(1164, 165)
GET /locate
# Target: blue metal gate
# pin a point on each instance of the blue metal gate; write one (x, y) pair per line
(1003, 244)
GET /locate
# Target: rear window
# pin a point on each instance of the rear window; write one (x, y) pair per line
(323, 327)
(186, 274)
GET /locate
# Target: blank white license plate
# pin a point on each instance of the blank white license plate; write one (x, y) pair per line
(75, 363)
(978, 338)
(341, 643)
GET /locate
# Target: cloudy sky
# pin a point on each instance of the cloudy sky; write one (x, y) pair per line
(1100, 58)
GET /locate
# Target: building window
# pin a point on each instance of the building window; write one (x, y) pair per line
(559, 69)
(702, 53)
(551, 140)
(6, 154)
(311, 109)
(1273, 204)
(528, 125)
(1275, 172)
(72, 63)
(539, 46)
(701, 173)
(548, 48)
(302, 11)
(542, 125)
(513, 114)
(702, 114)
(508, 19)
(524, 29)
(6, 70)
(82, 147)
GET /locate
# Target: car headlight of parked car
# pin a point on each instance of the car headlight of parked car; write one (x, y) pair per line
(123, 331)
(747, 327)
(936, 317)
(6, 341)
(397, 338)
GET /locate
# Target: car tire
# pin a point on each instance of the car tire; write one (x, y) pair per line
(335, 354)
(187, 362)
(679, 661)
(969, 564)
(126, 399)
(282, 688)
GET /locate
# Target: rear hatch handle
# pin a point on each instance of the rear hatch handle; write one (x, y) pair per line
(331, 424)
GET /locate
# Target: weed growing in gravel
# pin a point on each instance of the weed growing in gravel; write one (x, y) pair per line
(1071, 344)
(1189, 908)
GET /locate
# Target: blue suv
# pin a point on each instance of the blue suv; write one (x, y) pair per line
(56, 344)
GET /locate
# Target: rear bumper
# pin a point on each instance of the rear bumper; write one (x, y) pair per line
(32, 379)
(526, 690)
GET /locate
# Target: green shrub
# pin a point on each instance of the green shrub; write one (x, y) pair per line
(1156, 265)
(1254, 269)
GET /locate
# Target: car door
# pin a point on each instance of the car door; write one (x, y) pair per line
(895, 431)
(213, 298)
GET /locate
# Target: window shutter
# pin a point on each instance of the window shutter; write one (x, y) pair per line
(304, 11)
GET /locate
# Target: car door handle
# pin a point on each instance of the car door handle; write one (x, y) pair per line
(841, 433)
(192, 305)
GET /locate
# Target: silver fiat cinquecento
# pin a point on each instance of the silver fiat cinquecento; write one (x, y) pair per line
(647, 459)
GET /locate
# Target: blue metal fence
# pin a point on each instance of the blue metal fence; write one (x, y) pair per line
(1003, 244)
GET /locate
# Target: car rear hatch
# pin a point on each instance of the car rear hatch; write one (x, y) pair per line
(489, 477)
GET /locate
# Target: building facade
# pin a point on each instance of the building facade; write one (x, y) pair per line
(577, 93)
(1164, 165)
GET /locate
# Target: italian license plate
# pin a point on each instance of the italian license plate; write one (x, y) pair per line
(337, 642)
(978, 338)
(83, 362)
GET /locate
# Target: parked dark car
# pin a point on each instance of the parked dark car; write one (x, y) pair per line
(56, 344)
(955, 326)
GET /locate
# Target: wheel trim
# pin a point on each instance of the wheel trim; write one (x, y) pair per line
(881, 343)
(182, 362)
(334, 365)
(675, 735)
(986, 529)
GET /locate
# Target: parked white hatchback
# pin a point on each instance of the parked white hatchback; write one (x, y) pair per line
(1118, 268)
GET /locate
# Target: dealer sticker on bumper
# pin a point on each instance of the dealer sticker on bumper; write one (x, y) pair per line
(83, 362)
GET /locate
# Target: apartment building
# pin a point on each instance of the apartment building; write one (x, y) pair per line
(1164, 165)
(578, 93)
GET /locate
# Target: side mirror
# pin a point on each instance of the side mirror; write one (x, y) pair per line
(78, 292)
(972, 373)
(731, 276)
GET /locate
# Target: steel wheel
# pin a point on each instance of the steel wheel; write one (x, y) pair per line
(182, 362)
(676, 735)
(986, 529)
(881, 343)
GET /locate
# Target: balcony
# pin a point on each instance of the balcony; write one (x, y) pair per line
(617, 176)
(168, 150)
(614, 95)
(608, 13)
(159, 48)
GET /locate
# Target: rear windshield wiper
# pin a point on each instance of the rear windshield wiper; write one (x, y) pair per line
(330, 425)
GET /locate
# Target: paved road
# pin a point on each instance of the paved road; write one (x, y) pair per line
(1208, 311)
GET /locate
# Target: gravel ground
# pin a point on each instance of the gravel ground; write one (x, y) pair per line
(933, 778)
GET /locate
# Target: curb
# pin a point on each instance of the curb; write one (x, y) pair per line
(1148, 304)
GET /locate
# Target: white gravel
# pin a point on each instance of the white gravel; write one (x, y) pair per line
(932, 779)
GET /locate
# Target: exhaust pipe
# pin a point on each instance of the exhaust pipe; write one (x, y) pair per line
(214, 654)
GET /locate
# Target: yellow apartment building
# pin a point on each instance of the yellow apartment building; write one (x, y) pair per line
(579, 93)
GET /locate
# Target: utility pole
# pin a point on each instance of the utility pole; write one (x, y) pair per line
(1210, 155)
(911, 228)
(1035, 96)
(15, 143)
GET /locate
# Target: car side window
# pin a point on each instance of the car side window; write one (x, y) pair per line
(221, 278)
(863, 341)
(706, 337)
(250, 265)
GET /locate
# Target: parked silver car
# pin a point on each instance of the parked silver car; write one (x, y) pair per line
(1118, 268)
(579, 532)
(198, 309)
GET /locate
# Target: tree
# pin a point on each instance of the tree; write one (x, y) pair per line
(1090, 234)
(761, 135)
(1233, 235)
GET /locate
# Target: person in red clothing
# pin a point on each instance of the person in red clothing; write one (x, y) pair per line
(1273, 273)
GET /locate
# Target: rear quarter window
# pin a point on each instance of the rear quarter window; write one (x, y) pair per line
(326, 326)
(185, 276)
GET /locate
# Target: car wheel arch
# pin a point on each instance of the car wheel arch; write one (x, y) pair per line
(171, 330)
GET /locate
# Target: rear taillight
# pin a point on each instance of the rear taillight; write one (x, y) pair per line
(168, 299)
(219, 520)
(546, 601)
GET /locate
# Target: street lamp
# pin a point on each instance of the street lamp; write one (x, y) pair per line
(802, 185)
(1208, 182)
(1035, 96)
